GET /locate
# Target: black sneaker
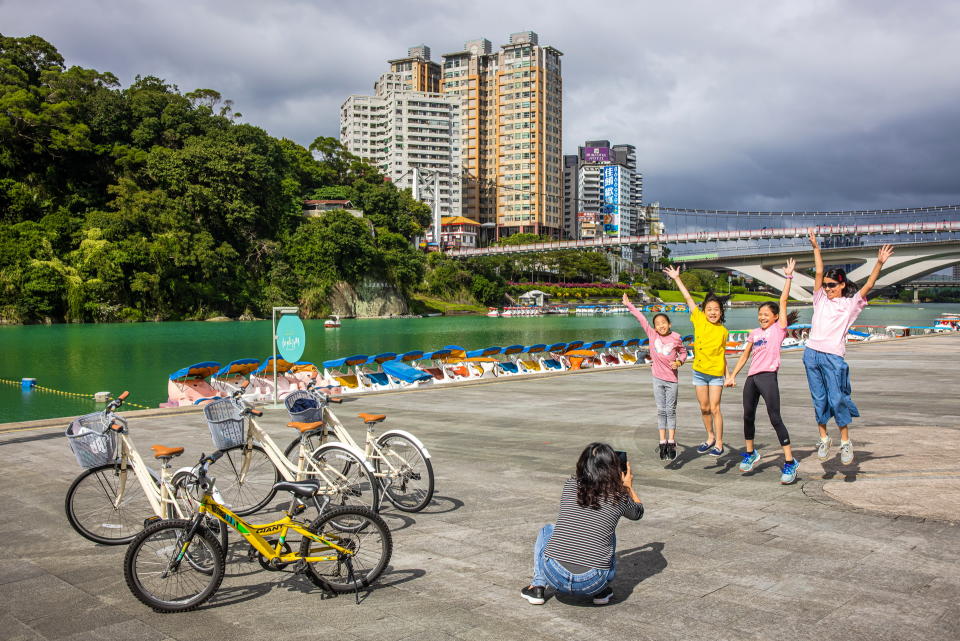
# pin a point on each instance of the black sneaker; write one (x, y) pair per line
(603, 596)
(533, 594)
(671, 451)
(663, 451)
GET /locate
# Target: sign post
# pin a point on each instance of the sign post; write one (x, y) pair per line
(289, 339)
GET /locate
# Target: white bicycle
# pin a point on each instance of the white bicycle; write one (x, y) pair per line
(401, 464)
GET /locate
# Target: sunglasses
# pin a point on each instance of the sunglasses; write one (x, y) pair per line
(831, 285)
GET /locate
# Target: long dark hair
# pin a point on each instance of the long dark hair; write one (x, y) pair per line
(837, 274)
(792, 317)
(658, 315)
(598, 476)
(720, 300)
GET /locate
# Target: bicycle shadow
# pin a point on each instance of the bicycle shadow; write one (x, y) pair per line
(405, 521)
(634, 566)
(437, 504)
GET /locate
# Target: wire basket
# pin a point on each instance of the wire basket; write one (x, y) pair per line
(92, 441)
(303, 407)
(226, 423)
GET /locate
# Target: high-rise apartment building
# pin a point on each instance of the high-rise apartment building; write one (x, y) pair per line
(606, 196)
(413, 136)
(511, 133)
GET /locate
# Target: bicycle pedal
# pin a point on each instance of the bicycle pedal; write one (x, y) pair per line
(151, 519)
(299, 509)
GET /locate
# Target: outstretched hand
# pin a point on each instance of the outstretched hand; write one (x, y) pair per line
(672, 272)
(812, 231)
(884, 253)
(791, 265)
(626, 299)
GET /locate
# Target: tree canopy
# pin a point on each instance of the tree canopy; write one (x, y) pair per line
(148, 203)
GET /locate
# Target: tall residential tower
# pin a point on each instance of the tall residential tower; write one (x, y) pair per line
(511, 133)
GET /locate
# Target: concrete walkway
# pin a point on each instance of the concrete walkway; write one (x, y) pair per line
(859, 552)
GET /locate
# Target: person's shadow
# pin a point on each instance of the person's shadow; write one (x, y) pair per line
(633, 567)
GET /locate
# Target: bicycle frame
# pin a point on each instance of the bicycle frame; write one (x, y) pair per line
(254, 534)
(305, 468)
(158, 497)
(371, 451)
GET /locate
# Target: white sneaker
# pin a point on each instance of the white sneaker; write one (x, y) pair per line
(823, 448)
(846, 452)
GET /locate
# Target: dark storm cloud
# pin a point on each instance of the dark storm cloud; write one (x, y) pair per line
(754, 105)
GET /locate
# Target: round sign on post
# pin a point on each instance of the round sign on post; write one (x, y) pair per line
(291, 338)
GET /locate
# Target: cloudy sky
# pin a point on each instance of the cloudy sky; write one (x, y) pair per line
(751, 104)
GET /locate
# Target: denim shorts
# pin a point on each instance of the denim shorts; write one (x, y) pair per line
(699, 378)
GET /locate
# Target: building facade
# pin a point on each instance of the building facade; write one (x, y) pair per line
(605, 197)
(511, 133)
(413, 136)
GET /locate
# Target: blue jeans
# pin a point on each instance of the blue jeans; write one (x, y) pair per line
(547, 571)
(829, 379)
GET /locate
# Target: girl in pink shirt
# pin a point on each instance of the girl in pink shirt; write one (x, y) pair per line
(764, 344)
(836, 306)
(667, 354)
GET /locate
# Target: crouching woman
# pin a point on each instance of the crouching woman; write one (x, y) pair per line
(577, 555)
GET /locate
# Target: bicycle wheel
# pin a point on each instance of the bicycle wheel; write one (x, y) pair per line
(184, 485)
(349, 481)
(244, 493)
(293, 450)
(360, 531)
(91, 509)
(408, 481)
(158, 575)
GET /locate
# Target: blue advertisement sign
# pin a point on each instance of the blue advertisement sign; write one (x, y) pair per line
(291, 338)
(611, 199)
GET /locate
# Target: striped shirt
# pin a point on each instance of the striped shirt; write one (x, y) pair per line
(583, 536)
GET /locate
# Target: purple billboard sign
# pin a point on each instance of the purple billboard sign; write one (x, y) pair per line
(596, 154)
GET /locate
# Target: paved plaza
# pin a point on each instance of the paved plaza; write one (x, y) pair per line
(866, 551)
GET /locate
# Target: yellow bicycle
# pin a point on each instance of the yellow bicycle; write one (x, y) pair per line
(168, 565)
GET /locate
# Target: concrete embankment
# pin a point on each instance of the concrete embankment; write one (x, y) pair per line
(866, 551)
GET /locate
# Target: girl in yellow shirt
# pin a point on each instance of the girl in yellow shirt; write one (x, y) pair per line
(709, 361)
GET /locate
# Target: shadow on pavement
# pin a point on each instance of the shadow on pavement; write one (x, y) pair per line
(442, 505)
(633, 567)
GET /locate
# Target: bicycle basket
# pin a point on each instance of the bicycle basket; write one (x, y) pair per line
(92, 440)
(303, 407)
(225, 422)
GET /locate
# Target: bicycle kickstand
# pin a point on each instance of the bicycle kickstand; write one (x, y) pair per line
(353, 578)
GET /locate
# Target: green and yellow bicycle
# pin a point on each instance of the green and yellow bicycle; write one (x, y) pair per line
(168, 565)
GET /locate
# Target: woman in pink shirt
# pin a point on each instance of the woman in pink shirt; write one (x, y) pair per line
(764, 344)
(836, 306)
(667, 354)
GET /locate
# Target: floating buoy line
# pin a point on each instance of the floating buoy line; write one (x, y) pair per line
(30, 384)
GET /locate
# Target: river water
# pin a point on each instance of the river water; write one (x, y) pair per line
(139, 357)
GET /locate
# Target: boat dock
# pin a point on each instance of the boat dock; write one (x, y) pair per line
(866, 551)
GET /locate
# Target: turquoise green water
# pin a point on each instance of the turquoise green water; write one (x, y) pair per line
(139, 357)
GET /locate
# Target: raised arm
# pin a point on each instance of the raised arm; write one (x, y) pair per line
(674, 273)
(817, 259)
(731, 380)
(883, 254)
(637, 314)
(785, 294)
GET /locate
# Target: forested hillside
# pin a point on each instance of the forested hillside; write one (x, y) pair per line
(147, 203)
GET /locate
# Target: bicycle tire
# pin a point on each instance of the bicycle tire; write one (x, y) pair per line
(365, 533)
(90, 510)
(415, 471)
(256, 490)
(358, 488)
(149, 557)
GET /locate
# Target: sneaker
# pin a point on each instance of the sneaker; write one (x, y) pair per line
(846, 452)
(749, 460)
(823, 447)
(533, 594)
(671, 451)
(663, 451)
(705, 447)
(717, 451)
(789, 474)
(603, 596)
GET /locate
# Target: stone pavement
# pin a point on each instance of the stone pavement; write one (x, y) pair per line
(860, 552)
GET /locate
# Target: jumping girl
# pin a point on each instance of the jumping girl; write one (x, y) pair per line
(667, 354)
(836, 305)
(764, 344)
(709, 361)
